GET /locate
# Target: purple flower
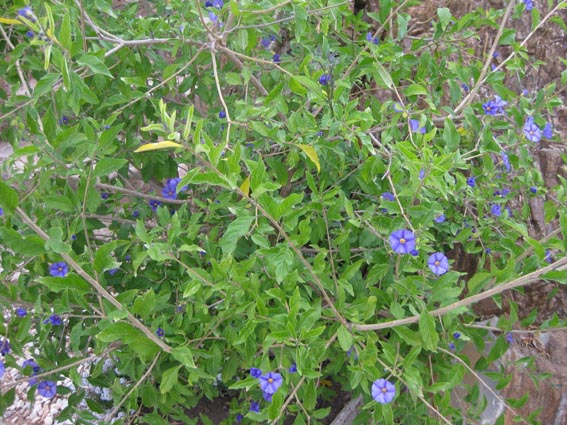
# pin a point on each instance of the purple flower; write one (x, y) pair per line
(452, 346)
(127, 258)
(548, 257)
(465, 87)
(136, 213)
(532, 131)
(383, 391)
(55, 320)
(112, 272)
(73, 237)
(414, 125)
(488, 250)
(276, 58)
(324, 79)
(506, 161)
(64, 120)
(496, 210)
(222, 114)
(471, 181)
(414, 252)
(265, 42)
(548, 131)
(26, 12)
(255, 406)
(213, 17)
(255, 372)
(292, 368)
(5, 346)
(160, 332)
(438, 263)
(456, 335)
(494, 107)
(369, 37)
(421, 174)
(270, 382)
(21, 312)
(154, 204)
(169, 191)
(35, 369)
(104, 195)
(533, 189)
(267, 396)
(388, 196)
(58, 269)
(402, 241)
(48, 389)
(529, 5)
(2, 369)
(439, 219)
(30, 34)
(239, 418)
(351, 350)
(1, 212)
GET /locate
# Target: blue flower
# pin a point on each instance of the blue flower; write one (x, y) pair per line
(276, 58)
(465, 87)
(452, 346)
(532, 131)
(2, 369)
(369, 37)
(5, 346)
(35, 369)
(488, 250)
(292, 368)
(471, 181)
(548, 131)
(494, 107)
(506, 161)
(136, 213)
(1, 212)
(55, 320)
(456, 335)
(496, 210)
(58, 269)
(533, 189)
(414, 124)
(438, 263)
(388, 196)
(529, 5)
(421, 174)
(169, 191)
(402, 241)
(47, 389)
(21, 312)
(414, 252)
(239, 418)
(154, 204)
(383, 391)
(440, 218)
(255, 406)
(213, 17)
(255, 372)
(26, 12)
(324, 79)
(30, 34)
(548, 257)
(265, 42)
(267, 396)
(270, 382)
(160, 332)
(509, 337)
(104, 195)
(222, 114)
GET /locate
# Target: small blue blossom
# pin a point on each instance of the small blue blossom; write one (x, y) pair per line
(127, 258)
(30, 34)
(506, 161)
(73, 237)
(532, 131)
(222, 114)
(160, 332)
(324, 79)
(292, 368)
(55, 320)
(533, 189)
(136, 213)
(105, 195)
(267, 396)
(509, 337)
(26, 12)
(265, 42)
(548, 131)
(112, 272)
(64, 120)
(388, 196)
(402, 241)
(383, 391)
(496, 210)
(369, 37)
(452, 346)
(1, 212)
(421, 174)
(58, 269)
(494, 107)
(415, 127)
(35, 369)
(465, 87)
(276, 58)
(456, 335)
(488, 250)
(21, 312)
(255, 372)
(529, 5)
(2, 369)
(213, 17)
(548, 257)
(270, 382)
(5, 346)
(255, 406)
(438, 263)
(471, 181)
(154, 204)
(440, 218)
(414, 252)
(239, 418)
(47, 389)
(351, 350)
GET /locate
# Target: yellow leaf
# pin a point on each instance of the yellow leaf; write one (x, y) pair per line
(159, 145)
(310, 152)
(10, 21)
(245, 186)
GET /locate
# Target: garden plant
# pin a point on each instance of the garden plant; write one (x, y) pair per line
(268, 205)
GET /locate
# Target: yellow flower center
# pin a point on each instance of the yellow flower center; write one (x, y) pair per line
(402, 240)
(270, 380)
(437, 262)
(384, 390)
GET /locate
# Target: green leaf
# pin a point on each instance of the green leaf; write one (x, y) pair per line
(107, 165)
(65, 32)
(59, 203)
(119, 331)
(310, 152)
(184, 356)
(415, 89)
(55, 242)
(71, 282)
(237, 229)
(94, 64)
(103, 260)
(408, 336)
(444, 16)
(30, 246)
(169, 379)
(8, 197)
(429, 336)
(383, 75)
(345, 338)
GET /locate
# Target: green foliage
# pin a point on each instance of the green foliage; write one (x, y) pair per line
(294, 161)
